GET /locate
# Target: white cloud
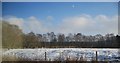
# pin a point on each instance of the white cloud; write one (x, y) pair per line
(85, 24)
(27, 25)
(90, 25)
(107, 24)
(49, 18)
(34, 25)
(14, 20)
(76, 23)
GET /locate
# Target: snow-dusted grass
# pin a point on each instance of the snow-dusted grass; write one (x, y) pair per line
(62, 54)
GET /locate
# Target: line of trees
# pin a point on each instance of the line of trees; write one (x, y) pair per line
(13, 37)
(51, 37)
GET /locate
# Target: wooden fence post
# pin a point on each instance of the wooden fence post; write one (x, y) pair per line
(96, 56)
(45, 56)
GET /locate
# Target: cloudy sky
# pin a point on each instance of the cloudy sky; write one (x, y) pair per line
(89, 18)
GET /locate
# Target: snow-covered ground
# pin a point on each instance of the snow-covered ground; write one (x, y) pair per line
(62, 54)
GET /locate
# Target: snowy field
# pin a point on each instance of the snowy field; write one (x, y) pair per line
(53, 54)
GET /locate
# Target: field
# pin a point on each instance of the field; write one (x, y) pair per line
(62, 54)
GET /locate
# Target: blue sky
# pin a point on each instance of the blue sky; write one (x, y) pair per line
(60, 0)
(58, 10)
(54, 14)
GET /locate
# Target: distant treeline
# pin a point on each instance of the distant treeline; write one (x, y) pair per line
(13, 37)
(99, 44)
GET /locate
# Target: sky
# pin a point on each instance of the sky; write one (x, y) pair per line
(60, 0)
(63, 17)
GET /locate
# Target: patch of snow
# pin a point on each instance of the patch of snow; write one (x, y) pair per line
(53, 54)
